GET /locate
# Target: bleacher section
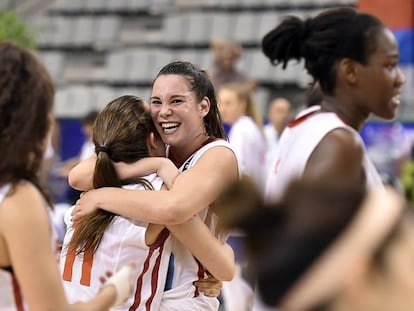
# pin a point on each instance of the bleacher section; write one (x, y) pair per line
(98, 49)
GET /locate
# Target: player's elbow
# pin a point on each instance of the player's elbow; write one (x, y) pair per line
(227, 268)
(174, 214)
(74, 182)
(227, 274)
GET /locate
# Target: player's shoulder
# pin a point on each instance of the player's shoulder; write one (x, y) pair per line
(342, 144)
(24, 205)
(24, 191)
(344, 137)
(217, 147)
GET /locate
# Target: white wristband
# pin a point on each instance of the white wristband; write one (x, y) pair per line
(123, 284)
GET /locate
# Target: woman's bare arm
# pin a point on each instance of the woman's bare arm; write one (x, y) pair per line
(81, 176)
(216, 257)
(192, 191)
(163, 167)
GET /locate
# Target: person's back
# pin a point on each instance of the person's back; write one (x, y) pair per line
(123, 242)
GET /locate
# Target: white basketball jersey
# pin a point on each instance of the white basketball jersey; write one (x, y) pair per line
(123, 242)
(11, 298)
(186, 268)
(297, 143)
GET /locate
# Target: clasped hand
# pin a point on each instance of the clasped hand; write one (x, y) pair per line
(86, 204)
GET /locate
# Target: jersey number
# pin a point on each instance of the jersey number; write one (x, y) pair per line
(86, 266)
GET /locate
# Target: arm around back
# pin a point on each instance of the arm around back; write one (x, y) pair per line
(217, 257)
(80, 177)
(192, 191)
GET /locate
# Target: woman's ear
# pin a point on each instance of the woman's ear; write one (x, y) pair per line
(152, 141)
(347, 70)
(205, 106)
(155, 145)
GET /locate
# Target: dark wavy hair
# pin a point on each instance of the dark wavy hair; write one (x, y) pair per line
(26, 102)
(201, 85)
(322, 41)
(120, 134)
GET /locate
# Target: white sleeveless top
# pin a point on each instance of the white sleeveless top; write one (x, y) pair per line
(122, 242)
(11, 298)
(297, 143)
(250, 146)
(186, 268)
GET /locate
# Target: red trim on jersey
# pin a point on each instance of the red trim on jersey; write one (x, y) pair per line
(159, 243)
(162, 236)
(200, 273)
(201, 270)
(301, 119)
(154, 279)
(339, 117)
(137, 299)
(18, 299)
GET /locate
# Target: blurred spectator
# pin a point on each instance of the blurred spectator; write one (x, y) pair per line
(238, 108)
(50, 154)
(88, 148)
(225, 56)
(278, 115)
